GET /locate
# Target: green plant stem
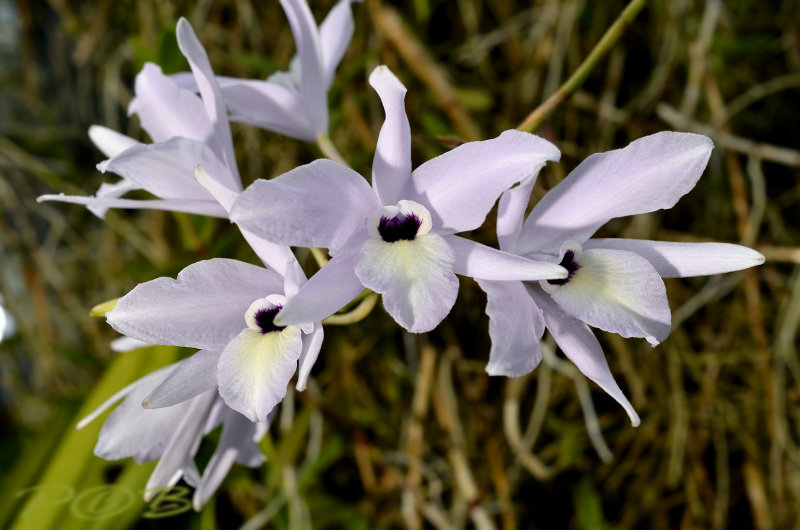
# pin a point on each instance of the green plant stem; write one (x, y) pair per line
(329, 150)
(356, 315)
(535, 118)
(319, 256)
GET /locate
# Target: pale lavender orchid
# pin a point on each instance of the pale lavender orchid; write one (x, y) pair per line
(226, 308)
(293, 103)
(187, 131)
(191, 165)
(172, 434)
(398, 236)
(613, 284)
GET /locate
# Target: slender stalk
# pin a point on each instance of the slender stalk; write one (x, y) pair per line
(535, 118)
(319, 256)
(329, 150)
(356, 315)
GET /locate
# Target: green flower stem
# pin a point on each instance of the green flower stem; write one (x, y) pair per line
(535, 118)
(329, 150)
(356, 315)
(319, 256)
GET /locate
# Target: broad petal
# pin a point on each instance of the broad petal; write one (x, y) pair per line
(200, 207)
(165, 110)
(679, 260)
(391, 167)
(461, 186)
(237, 443)
(178, 458)
(190, 377)
(649, 174)
(515, 325)
(133, 432)
(617, 291)
(309, 50)
(335, 33)
(415, 278)
(581, 347)
(166, 169)
(110, 142)
(212, 99)
(312, 343)
(486, 263)
(255, 368)
(511, 213)
(333, 286)
(269, 106)
(203, 308)
(321, 204)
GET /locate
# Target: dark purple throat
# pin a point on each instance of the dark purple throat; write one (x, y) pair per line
(399, 227)
(569, 263)
(265, 319)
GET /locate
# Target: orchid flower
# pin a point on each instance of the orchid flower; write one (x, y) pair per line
(187, 131)
(293, 103)
(191, 165)
(226, 308)
(172, 435)
(613, 284)
(398, 236)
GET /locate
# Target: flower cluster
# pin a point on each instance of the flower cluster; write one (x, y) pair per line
(256, 327)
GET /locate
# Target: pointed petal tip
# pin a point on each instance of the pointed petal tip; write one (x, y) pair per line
(382, 74)
(635, 421)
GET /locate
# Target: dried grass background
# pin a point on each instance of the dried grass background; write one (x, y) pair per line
(408, 431)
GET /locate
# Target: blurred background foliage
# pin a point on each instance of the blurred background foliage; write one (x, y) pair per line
(399, 430)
